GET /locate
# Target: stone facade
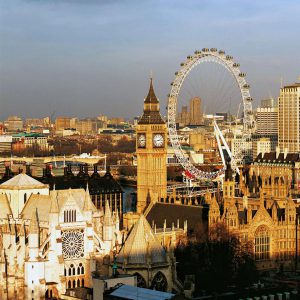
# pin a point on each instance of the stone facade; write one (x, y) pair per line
(265, 215)
(53, 243)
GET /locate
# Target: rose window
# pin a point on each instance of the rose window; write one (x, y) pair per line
(73, 243)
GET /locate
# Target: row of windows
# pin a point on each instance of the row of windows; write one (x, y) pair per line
(71, 271)
(73, 283)
(70, 215)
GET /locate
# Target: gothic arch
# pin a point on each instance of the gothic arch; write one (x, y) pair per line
(262, 243)
(159, 282)
(141, 282)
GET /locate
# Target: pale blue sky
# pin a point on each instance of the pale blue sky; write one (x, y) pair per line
(85, 57)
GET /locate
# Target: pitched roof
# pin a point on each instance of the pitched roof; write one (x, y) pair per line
(5, 207)
(151, 117)
(141, 242)
(22, 181)
(280, 158)
(151, 97)
(151, 113)
(43, 203)
(195, 215)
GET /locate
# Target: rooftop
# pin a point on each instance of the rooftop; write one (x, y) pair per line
(22, 181)
(196, 216)
(25, 134)
(295, 85)
(136, 293)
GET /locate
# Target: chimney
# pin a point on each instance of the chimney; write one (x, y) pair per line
(28, 171)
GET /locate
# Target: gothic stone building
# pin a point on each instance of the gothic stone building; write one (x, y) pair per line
(50, 241)
(264, 214)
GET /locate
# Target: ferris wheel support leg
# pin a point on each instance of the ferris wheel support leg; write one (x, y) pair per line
(220, 146)
(223, 139)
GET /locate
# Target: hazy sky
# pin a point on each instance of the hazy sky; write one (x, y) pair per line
(85, 57)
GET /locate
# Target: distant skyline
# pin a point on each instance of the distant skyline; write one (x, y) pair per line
(86, 57)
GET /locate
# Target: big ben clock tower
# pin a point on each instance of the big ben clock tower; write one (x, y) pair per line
(151, 151)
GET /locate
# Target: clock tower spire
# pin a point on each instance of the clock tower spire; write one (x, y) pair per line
(151, 151)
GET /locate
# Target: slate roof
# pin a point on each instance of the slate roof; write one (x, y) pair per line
(97, 184)
(135, 293)
(151, 97)
(195, 215)
(151, 117)
(271, 157)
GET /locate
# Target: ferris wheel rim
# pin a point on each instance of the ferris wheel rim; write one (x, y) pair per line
(206, 55)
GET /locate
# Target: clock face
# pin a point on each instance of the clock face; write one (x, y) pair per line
(158, 140)
(142, 140)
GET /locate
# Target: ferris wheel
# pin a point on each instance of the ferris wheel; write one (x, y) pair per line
(226, 61)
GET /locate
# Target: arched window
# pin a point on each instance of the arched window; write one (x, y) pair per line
(262, 243)
(78, 271)
(25, 198)
(159, 282)
(141, 282)
(69, 284)
(81, 269)
(74, 284)
(82, 282)
(78, 283)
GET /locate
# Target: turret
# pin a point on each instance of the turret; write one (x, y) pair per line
(107, 223)
(117, 221)
(228, 184)
(33, 236)
(54, 210)
(87, 206)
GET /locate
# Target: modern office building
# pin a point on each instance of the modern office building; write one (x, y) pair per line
(267, 121)
(195, 111)
(289, 118)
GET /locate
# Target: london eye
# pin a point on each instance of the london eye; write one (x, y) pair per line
(232, 69)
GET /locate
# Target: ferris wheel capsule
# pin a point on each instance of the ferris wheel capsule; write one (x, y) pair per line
(236, 65)
(205, 50)
(221, 52)
(182, 64)
(197, 52)
(213, 49)
(229, 57)
(189, 57)
(242, 74)
(246, 86)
